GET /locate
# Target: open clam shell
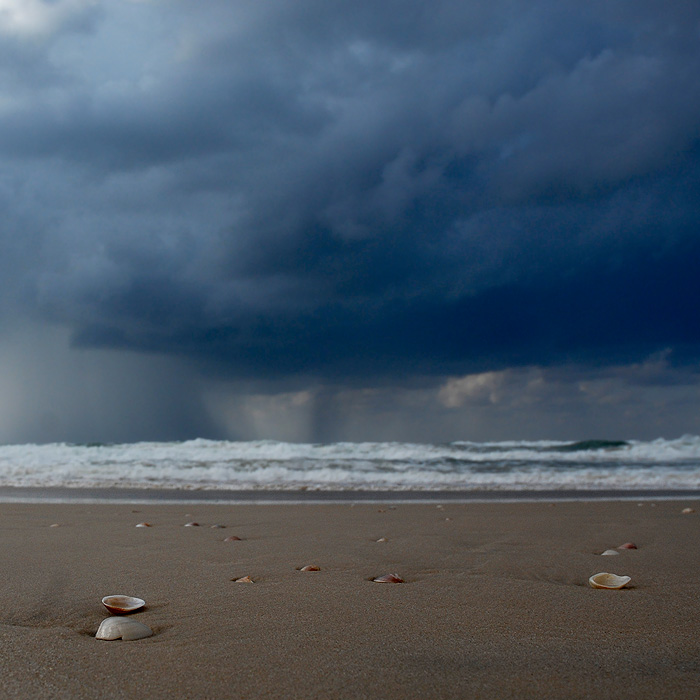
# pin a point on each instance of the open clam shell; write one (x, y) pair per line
(122, 604)
(122, 628)
(610, 581)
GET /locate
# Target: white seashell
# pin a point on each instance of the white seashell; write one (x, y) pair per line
(122, 604)
(606, 580)
(143, 525)
(687, 511)
(610, 553)
(122, 628)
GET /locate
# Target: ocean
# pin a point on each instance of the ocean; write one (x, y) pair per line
(517, 466)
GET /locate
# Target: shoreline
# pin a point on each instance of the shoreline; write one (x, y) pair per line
(495, 601)
(88, 495)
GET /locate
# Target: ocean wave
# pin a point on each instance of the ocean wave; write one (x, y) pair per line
(266, 464)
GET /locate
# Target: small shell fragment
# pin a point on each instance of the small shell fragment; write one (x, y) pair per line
(610, 553)
(388, 578)
(122, 628)
(686, 511)
(310, 567)
(628, 545)
(243, 579)
(122, 604)
(610, 581)
(217, 527)
(144, 525)
(232, 538)
(192, 524)
(382, 539)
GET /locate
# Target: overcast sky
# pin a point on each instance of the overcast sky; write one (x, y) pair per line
(321, 220)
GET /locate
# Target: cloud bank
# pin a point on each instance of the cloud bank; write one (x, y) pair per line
(357, 197)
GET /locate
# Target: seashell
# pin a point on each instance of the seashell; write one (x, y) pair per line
(628, 545)
(192, 524)
(122, 604)
(144, 525)
(55, 525)
(382, 539)
(388, 578)
(217, 527)
(686, 511)
(122, 628)
(243, 579)
(310, 567)
(606, 580)
(610, 553)
(232, 538)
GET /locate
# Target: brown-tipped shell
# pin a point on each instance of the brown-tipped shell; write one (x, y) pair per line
(232, 538)
(388, 578)
(144, 525)
(610, 581)
(686, 511)
(310, 567)
(243, 579)
(192, 524)
(628, 545)
(122, 604)
(122, 628)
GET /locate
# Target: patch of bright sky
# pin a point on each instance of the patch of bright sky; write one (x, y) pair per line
(36, 18)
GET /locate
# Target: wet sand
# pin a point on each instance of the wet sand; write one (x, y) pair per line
(495, 602)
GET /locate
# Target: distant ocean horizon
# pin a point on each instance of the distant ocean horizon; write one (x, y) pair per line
(266, 465)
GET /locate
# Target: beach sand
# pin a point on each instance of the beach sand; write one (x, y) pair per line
(495, 602)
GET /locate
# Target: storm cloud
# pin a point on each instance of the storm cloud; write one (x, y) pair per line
(334, 199)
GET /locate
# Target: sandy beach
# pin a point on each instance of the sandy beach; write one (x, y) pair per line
(495, 602)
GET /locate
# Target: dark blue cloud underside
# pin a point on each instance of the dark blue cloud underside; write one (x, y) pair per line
(390, 190)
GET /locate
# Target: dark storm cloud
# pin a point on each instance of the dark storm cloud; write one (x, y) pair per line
(384, 188)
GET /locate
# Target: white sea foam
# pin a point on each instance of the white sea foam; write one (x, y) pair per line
(208, 464)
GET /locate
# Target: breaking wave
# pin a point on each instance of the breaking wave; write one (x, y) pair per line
(265, 464)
